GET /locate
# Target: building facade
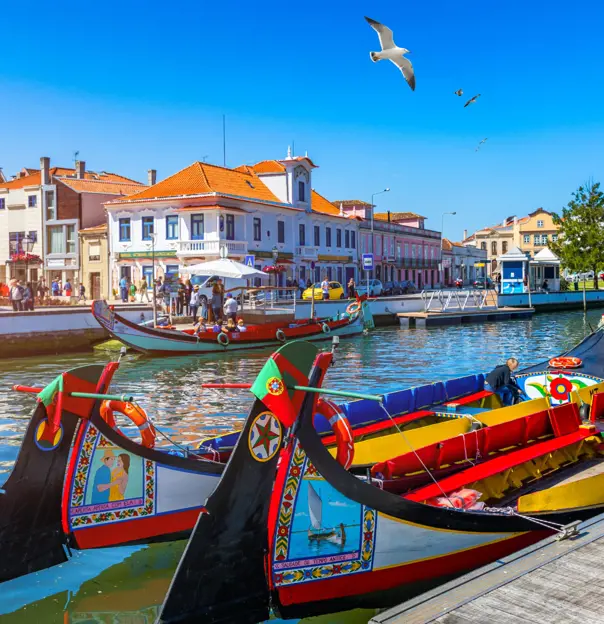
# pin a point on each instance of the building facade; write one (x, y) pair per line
(463, 261)
(50, 205)
(94, 254)
(264, 211)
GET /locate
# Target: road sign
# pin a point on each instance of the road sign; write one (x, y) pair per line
(368, 262)
(250, 261)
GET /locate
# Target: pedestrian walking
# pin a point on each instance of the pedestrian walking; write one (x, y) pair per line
(325, 288)
(81, 293)
(41, 290)
(132, 291)
(68, 288)
(28, 297)
(143, 289)
(124, 289)
(15, 296)
(55, 289)
(194, 302)
(301, 287)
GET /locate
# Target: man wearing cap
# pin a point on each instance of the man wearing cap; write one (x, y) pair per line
(102, 477)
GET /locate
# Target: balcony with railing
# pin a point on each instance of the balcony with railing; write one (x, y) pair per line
(307, 253)
(210, 247)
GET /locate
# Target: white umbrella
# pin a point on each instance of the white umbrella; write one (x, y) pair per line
(225, 268)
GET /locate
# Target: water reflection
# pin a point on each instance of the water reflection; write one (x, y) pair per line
(130, 589)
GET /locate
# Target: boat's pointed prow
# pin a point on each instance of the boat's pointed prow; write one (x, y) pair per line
(221, 577)
(32, 535)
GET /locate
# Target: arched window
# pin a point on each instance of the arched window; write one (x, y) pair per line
(494, 248)
(483, 245)
(504, 247)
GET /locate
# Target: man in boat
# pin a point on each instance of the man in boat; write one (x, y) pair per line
(502, 382)
(102, 479)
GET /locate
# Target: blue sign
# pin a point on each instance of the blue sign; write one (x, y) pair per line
(250, 261)
(368, 262)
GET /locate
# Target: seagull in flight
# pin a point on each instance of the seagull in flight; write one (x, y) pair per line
(483, 141)
(471, 100)
(459, 92)
(392, 52)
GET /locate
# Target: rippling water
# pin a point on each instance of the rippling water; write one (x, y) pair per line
(126, 584)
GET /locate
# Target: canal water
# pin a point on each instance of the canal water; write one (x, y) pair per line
(126, 585)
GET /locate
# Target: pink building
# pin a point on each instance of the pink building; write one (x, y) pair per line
(403, 248)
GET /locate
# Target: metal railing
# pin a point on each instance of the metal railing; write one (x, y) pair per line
(211, 247)
(448, 300)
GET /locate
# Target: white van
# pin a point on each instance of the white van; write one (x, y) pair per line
(207, 281)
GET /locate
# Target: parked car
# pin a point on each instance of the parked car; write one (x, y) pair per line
(480, 283)
(408, 287)
(375, 288)
(335, 291)
(392, 288)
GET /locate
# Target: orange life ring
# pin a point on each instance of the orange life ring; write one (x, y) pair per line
(353, 308)
(565, 362)
(135, 413)
(342, 430)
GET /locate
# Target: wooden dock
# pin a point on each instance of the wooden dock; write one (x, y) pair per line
(552, 581)
(456, 317)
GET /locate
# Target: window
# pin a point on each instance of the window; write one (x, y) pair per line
(527, 239)
(197, 228)
(483, 245)
(280, 231)
(302, 234)
(413, 251)
(494, 248)
(94, 251)
(230, 227)
(124, 227)
(71, 239)
(406, 251)
(554, 238)
(14, 242)
(56, 239)
(33, 235)
(50, 206)
(2, 203)
(338, 238)
(172, 227)
(327, 237)
(540, 240)
(147, 228)
(504, 247)
(32, 201)
(539, 224)
(347, 239)
(317, 236)
(257, 229)
(353, 240)
(301, 191)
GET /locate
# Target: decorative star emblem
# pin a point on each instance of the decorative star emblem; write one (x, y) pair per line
(265, 437)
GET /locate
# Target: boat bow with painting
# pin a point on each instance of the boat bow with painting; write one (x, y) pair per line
(414, 519)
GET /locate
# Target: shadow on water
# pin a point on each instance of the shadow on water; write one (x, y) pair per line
(125, 585)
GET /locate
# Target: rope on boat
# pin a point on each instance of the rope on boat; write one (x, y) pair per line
(510, 511)
(416, 454)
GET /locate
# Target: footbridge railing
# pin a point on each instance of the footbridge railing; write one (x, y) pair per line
(458, 300)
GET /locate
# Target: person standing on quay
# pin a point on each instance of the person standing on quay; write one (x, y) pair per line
(180, 298)
(143, 289)
(230, 308)
(16, 296)
(194, 303)
(351, 288)
(124, 289)
(217, 300)
(56, 291)
(68, 288)
(325, 288)
(41, 290)
(188, 293)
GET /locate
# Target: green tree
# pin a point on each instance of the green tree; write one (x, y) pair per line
(580, 244)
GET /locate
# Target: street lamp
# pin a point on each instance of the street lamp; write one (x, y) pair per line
(386, 190)
(442, 227)
(153, 237)
(275, 253)
(27, 244)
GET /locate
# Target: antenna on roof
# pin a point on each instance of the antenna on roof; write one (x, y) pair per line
(203, 158)
(293, 147)
(76, 155)
(224, 140)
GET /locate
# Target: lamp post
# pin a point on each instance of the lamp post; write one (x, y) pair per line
(442, 227)
(27, 243)
(153, 237)
(275, 253)
(386, 190)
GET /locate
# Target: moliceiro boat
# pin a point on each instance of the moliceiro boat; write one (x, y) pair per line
(294, 530)
(157, 340)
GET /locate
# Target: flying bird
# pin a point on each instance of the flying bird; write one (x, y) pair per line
(459, 92)
(471, 100)
(392, 52)
(483, 141)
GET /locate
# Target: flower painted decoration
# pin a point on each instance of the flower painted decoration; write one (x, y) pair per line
(275, 268)
(560, 387)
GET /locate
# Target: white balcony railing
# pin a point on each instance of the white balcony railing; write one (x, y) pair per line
(211, 247)
(308, 253)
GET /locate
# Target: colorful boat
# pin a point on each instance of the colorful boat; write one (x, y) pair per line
(156, 340)
(515, 475)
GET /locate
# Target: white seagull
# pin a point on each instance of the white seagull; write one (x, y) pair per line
(483, 141)
(392, 52)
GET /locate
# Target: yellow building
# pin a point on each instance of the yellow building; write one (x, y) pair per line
(95, 261)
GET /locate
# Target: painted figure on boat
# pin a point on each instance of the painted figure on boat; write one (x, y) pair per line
(102, 479)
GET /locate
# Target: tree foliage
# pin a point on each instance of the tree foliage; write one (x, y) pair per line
(580, 244)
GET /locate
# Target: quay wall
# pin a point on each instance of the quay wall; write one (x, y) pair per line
(550, 302)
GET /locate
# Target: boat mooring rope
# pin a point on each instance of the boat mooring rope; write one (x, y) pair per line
(510, 511)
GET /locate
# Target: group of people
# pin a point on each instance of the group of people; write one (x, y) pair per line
(22, 295)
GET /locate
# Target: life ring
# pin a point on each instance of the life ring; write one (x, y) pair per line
(280, 335)
(353, 308)
(326, 328)
(342, 430)
(135, 413)
(223, 339)
(565, 362)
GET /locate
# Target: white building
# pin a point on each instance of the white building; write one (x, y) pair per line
(263, 211)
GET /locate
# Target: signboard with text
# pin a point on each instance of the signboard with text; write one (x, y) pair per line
(368, 262)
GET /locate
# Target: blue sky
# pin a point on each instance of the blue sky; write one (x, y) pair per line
(139, 85)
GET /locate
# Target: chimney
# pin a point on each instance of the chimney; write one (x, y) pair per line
(80, 169)
(389, 216)
(45, 170)
(465, 234)
(151, 176)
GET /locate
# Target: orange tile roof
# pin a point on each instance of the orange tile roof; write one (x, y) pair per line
(447, 245)
(109, 187)
(94, 229)
(397, 216)
(319, 204)
(201, 178)
(268, 166)
(351, 202)
(34, 178)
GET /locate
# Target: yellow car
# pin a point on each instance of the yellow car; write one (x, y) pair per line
(335, 291)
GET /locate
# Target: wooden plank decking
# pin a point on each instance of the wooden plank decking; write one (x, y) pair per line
(453, 317)
(552, 582)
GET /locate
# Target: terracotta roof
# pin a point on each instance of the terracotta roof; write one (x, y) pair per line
(447, 245)
(94, 229)
(319, 204)
(34, 179)
(108, 187)
(351, 202)
(268, 166)
(397, 216)
(201, 178)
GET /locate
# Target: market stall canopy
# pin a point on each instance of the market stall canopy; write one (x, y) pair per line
(225, 268)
